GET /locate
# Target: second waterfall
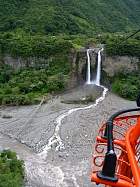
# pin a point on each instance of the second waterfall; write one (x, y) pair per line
(89, 79)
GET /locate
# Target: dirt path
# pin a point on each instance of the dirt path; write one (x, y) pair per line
(70, 165)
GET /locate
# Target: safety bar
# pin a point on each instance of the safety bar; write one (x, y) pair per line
(109, 166)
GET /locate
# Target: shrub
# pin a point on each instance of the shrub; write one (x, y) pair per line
(11, 170)
(27, 86)
(127, 86)
(25, 45)
(117, 46)
(16, 90)
(5, 73)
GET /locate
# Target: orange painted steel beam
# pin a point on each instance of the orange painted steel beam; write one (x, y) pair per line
(131, 137)
(119, 183)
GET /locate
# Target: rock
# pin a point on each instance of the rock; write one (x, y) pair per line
(67, 155)
(1, 149)
(6, 116)
(61, 155)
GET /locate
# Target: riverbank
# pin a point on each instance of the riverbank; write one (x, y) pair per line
(69, 166)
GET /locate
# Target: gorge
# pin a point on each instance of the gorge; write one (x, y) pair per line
(56, 142)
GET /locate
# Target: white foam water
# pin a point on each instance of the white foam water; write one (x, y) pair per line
(98, 75)
(88, 77)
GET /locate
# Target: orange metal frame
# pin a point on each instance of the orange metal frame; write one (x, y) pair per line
(126, 142)
(132, 139)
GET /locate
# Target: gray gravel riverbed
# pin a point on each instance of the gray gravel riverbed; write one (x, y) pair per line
(28, 129)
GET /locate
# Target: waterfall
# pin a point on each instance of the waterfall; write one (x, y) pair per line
(88, 68)
(89, 80)
(98, 75)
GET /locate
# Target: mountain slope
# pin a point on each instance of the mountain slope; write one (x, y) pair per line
(72, 17)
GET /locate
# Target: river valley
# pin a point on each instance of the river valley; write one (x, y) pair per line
(57, 156)
(56, 139)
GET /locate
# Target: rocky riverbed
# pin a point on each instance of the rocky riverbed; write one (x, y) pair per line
(57, 156)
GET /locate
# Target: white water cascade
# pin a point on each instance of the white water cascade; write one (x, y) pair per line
(88, 67)
(98, 75)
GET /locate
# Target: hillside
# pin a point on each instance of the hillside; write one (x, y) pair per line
(70, 17)
(50, 30)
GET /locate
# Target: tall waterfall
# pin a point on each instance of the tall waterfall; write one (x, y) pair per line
(98, 74)
(89, 79)
(88, 67)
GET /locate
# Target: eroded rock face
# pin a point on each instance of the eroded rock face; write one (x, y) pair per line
(115, 64)
(19, 62)
(111, 65)
(79, 64)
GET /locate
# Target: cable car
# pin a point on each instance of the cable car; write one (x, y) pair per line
(116, 158)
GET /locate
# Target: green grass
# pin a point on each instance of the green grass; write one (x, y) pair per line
(11, 170)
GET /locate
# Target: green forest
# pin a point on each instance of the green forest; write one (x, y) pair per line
(70, 17)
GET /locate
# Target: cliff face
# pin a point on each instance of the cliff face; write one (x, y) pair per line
(111, 65)
(19, 62)
(115, 64)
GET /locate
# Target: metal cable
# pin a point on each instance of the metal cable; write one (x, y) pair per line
(129, 37)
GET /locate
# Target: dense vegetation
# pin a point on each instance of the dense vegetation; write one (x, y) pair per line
(28, 85)
(127, 85)
(11, 170)
(70, 17)
(118, 46)
(25, 45)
